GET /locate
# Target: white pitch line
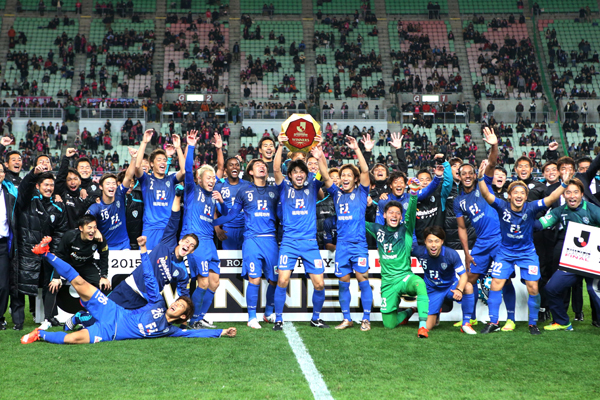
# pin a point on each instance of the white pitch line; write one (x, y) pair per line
(312, 375)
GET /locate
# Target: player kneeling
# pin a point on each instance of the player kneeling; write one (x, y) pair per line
(441, 264)
(394, 243)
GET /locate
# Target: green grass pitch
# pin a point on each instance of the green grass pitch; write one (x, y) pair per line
(380, 364)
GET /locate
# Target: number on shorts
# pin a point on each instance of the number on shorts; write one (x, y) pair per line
(383, 302)
(251, 266)
(496, 267)
(204, 265)
(337, 267)
(283, 259)
(102, 299)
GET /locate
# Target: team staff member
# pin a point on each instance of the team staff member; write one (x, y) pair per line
(8, 229)
(12, 162)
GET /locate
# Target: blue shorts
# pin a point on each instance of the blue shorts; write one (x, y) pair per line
(106, 313)
(307, 250)
(483, 255)
(205, 259)
(153, 237)
(506, 260)
(235, 238)
(125, 245)
(351, 257)
(260, 258)
(124, 296)
(437, 296)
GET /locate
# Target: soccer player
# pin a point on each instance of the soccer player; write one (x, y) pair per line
(158, 189)
(110, 211)
(516, 217)
(232, 233)
(440, 265)
(201, 203)
(484, 219)
(84, 167)
(298, 196)
(352, 254)
(575, 210)
(115, 322)
(258, 203)
(394, 244)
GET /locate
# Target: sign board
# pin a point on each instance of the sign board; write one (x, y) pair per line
(417, 98)
(581, 250)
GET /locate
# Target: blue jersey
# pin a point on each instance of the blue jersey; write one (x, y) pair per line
(350, 209)
(330, 230)
(229, 193)
(483, 218)
(259, 205)
(199, 214)
(405, 198)
(158, 195)
(111, 220)
(299, 208)
(516, 227)
(440, 272)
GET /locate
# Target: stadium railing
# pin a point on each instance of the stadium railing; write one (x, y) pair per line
(117, 113)
(32, 113)
(440, 117)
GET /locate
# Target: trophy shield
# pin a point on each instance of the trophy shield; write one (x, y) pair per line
(303, 132)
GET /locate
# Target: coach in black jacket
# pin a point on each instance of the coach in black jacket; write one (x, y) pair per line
(12, 162)
(38, 216)
(8, 199)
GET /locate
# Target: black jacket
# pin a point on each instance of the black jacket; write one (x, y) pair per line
(451, 226)
(37, 217)
(325, 209)
(134, 214)
(91, 187)
(9, 175)
(75, 206)
(80, 255)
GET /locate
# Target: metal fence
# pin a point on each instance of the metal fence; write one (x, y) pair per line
(253, 113)
(112, 113)
(512, 117)
(354, 114)
(53, 113)
(441, 117)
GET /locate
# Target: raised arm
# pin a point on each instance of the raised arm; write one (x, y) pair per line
(189, 161)
(218, 142)
(365, 180)
(131, 169)
(63, 171)
(483, 188)
(149, 278)
(277, 161)
(410, 217)
(396, 142)
(177, 145)
(236, 209)
(490, 138)
(318, 154)
(141, 151)
(103, 264)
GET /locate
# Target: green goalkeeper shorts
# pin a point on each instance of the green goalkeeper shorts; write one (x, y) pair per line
(391, 292)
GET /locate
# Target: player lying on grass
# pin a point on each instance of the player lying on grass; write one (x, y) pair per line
(394, 243)
(517, 218)
(441, 264)
(115, 322)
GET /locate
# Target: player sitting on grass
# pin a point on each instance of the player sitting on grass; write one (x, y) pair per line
(394, 243)
(441, 264)
(115, 322)
(517, 218)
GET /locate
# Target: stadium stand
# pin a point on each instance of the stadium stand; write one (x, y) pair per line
(123, 7)
(558, 6)
(493, 7)
(414, 7)
(340, 7)
(258, 7)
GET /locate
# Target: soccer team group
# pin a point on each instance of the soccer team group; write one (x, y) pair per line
(271, 215)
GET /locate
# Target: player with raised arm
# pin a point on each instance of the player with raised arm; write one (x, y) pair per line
(110, 211)
(394, 244)
(298, 196)
(115, 322)
(352, 255)
(257, 203)
(201, 204)
(158, 189)
(517, 218)
(441, 264)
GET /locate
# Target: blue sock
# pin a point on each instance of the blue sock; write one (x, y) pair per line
(534, 308)
(53, 337)
(422, 324)
(467, 307)
(206, 302)
(366, 298)
(270, 300)
(318, 300)
(64, 269)
(345, 298)
(510, 299)
(252, 299)
(197, 300)
(279, 303)
(494, 301)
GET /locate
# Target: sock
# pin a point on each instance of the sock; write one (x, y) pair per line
(279, 303)
(206, 302)
(422, 324)
(53, 337)
(423, 307)
(197, 298)
(84, 318)
(64, 269)
(318, 300)
(345, 298)
(270, 300)
(366, 298)
(510, 299)
(534, 308)
(252, 299)
(467, 307)
(494, 301)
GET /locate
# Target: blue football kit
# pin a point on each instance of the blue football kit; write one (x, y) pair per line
(234, 227)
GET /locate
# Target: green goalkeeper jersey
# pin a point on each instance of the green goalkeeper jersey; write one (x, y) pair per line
(586, 213)
(394, 244)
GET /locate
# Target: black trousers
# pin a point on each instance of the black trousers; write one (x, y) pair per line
(4, 276)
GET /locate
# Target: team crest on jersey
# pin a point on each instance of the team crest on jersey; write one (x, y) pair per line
(176, 273)
(432, 199)
(352, 196)
(306, 191)
(135, 214)
(405, 206)
(477, 193)
(444, 266)
(586, 220)
(118, 204)
(505, 195)
(166, 330)
(52, 218)
(524, 217)
(94, 247)
(272, 195)
(168, 184)
(531, 186)
(93, 187)
(396, 235)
